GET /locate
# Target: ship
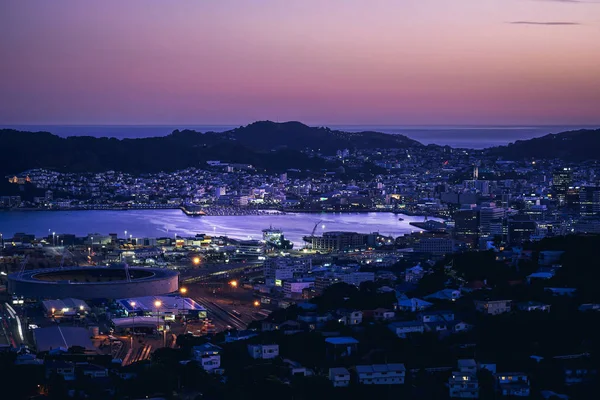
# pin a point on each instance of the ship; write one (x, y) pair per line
(192, 210)
(275, 239)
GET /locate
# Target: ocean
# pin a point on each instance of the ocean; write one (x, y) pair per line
(474, 137)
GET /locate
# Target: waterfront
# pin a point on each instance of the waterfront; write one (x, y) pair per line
(155, 223)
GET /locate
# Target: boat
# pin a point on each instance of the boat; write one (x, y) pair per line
(192, 210)
(275, 239)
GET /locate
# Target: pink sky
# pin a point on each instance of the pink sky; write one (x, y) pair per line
(318, 61)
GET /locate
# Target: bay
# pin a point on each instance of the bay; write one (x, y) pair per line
(161, 223)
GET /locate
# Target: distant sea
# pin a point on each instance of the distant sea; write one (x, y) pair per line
(474, 137)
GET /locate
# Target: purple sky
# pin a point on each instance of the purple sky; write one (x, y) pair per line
(318, 61)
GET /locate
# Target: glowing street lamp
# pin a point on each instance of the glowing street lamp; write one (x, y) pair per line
(233, 284)
(256, 303)
(183, 291)
(53, 310)
(196, 260)
(133, 327)
(157, 304)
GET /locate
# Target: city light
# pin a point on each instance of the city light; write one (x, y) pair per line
(157, 303)
(132, 304)
(233, 283)
(183, 290)
(196, 260)
(256, 303)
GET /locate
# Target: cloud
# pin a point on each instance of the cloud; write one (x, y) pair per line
(548, 23)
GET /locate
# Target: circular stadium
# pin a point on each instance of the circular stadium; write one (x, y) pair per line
(113, 282)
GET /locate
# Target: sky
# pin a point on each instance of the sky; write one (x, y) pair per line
(379, 62)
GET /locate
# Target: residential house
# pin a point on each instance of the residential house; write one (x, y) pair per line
(350, 317)
(404, 328)
(263, 351)
(288, 327)
(570, 292)
(239, 335)
(340, 347)
(296, 369)
(412, 305)
(578, 370)
(340, 377)
(463, 385)
(315, 320)
(445, 295)
(514, 384)
(493, 307)
(382, 314)
(589, 307)
(539, 276)
(436, 316)
(414, 274)
(533, 306)
(467, 365)
(381, 374)
(208, 356)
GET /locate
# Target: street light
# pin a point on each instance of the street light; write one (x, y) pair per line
(256, 303)
(183, 291)
(53, 234)
(196, 260)
(157, 304)
(133, 328)
(53, 310)
(233, 284)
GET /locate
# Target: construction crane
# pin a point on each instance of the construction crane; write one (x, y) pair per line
(315, 228)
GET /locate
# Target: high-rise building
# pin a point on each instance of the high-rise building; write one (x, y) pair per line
(561, 181)
(466, 222)
(487, 213)
(589, 201)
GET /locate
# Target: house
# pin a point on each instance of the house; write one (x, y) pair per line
(28, 359)
(589, 307)
(493, 307)
(413, 305)
(539, 276)
(239, 335)
(570, 292)
(315, 320)
(463, 385)
(403, 328)
(340, 377)
(341, 346)
(458, 326)
(296, 369)
(445, 294)
(263, 351)
(514, 384)
(436, 316)
(578, 370)
(381, 374)
(414, 274)
(382, 314)
(350, 317)
(208, 356)
(467, 365)
(60, 367)
(533, 306)
(288, 327)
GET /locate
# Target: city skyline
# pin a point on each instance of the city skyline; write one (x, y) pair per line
(430, 62)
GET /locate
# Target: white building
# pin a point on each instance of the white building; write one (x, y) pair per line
(294, 287)
(402, 329)
(278, 269)
(463, 385)
(208, 356)
(340, 377)
(381, 374)
(263, 351)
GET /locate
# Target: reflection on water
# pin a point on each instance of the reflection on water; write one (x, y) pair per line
(154, 223)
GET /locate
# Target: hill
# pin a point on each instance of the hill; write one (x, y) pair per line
(580, 145)
(266, 145)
